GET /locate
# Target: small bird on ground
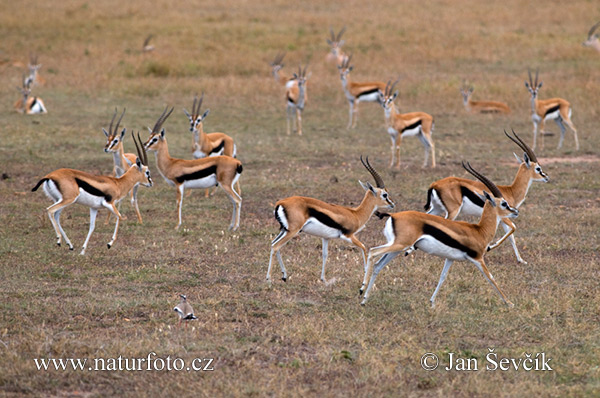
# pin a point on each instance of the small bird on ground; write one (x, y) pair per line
(184, 310)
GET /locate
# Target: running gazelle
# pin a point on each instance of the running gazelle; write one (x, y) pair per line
(481, 106)
(356, 92)
(452, 240)
(556, 109)
(68, 186)
(222, 171)
(328, 221)
(452, 196)
(400, 125)
(335, 42)
(295, 92)
(122, 161)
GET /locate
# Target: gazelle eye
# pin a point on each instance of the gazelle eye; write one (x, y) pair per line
(504, 204)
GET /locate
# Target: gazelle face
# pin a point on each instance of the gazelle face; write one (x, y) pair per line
(146, 179)
(113, 141)
(385, 201)
(154, 141)
(503, 209)
(466, 94)
(539, 174)
(533, 90)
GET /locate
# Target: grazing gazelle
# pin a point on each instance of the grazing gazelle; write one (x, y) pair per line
(68, 186)
(556, 109)
(452, 196)
(122, 161)
(295, 91)
(400, 125)
(481, 106)
(222, 171)
(301, 214)
(29, 105)
(335, 42)
(184, 310)
(356, 92)
(452, 240)
(592, 39)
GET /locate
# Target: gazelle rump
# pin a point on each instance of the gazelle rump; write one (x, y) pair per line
(356, 92)
(482, 106)
(556, 109)
(222, 171)
(452, 196)
(122, 161)
(452, 240)
(328, 221)
(400, 125)
(68, 186)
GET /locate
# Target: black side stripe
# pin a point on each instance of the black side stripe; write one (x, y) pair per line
(325, 219)
(472, 196)
(447, 240)
(428, 204)
(551, 110)
(196, 175)
(219, 147)
(412, 126)
(92, 190)
(368, 92)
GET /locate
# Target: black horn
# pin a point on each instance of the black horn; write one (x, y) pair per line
(374, 173)
(486, 181)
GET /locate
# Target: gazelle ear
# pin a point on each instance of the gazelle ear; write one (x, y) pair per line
(489, 197)
(527, 160)
(123, 132)
(350, 68)
(539, 85)
(519, 160)
(395, 95)
(526, 84)
(205, 113)
(186, 113)
(162, 133)
(138, 163)
(105, 132)
(329, 42)
(367, 186)
(149, 130)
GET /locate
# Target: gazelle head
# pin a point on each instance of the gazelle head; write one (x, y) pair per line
(336, 43)
(195, 118)
(345, 68)
(529, 159)
(157, 133)
(25, 89)
(113, 137)
(503, 209)
(386, 99)
(466, 93)
(301, 77)
(532, 86)
(592, 39)
(277, 64)
(380, 192)
(33, 66)
(141, 162)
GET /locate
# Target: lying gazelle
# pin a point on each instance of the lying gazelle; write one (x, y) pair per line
(122, 161)
(452, 240)
(222, 171)
(481, 106)
(295, 91)
(34, 77)
(556, 109)
(300, 214)
(592, 39)
(29, 105)
(68, 186)
(335, 42)
(400, 125)
(452, 196)
(147, 47)
(356, 92)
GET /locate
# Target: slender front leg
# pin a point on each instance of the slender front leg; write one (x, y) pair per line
(481, 266)
(535, 129)
(325, 245)
(119, 217)
(383, 261)
(180, 190)
(93, 213)
(443, 276)
(393, 138)
(355, 113)
(134, 202)
(509, 227)
(299, 120)
(351, 115)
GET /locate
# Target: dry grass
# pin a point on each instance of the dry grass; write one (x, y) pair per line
(299, 338)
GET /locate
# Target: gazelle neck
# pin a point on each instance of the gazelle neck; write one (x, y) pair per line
(119, 159)
(301, 95)
(163, 159)
(534, 101)
(390, 112)
(489, 222)
(366, 208)
(520, 185)
(128, 180)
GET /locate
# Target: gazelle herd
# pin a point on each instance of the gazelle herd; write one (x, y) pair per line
(215, 164)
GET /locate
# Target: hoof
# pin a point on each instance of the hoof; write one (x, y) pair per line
(362, 303)
(510, 304)
(108, 245)
(360, 292)
(71, 248)
(58, 244)
(284, 279)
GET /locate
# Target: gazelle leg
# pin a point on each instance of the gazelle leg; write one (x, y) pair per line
(481, 266)
(236, 200)
(93, 213)
(180, 190)
(509, 228)
(355, 113)
(325, 245)
(289, 111)
(299, 120)
(393, 138)
(572, 127)
(427, 146)
(535, 130)
(114, 209)
(563, 130)
(280, 241)
(351, 115)
(134, 203)
(54, 215)
(280, 236)
(383, 261)
(443, 276)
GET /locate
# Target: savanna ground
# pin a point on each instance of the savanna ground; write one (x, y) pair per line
(299, 338)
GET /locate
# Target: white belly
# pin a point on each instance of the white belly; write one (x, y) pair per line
(198, 154)
(469, 208)
(432, 246)
(205, 182)
(392, 131)
(313, 227)
(552, 115)
(372, 97)
(86, 199)
(411, 132)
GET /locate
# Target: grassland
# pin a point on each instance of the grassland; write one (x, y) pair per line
(298, 338)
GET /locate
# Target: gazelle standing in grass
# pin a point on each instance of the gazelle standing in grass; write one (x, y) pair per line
(122, 161)
(452, 240)
(27, 104)
(213, 144)
(592, 39)
(452, 196)
(301, 214)
(556, 109)
(68, 186)
(356, 92)
(295, 91)
(481, 106)
(400, 125)
(222, 171)
(34, 77)
(336, 55)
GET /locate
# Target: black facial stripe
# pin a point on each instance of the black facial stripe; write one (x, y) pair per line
(447, 240)
(472, 196)
(412, 126)
(553, 109)
(219, 147)
(92, 190)
(326, 220)
(196, 175)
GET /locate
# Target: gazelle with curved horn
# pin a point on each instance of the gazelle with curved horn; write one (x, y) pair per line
(68, 186)
(481, 106)
(452, 240)
(452, 196)
(34, 77)
(592, 39)
(335, 42)
(301, 214)
(400, 125)
(357, 92)
(122, 161)
(29, 105)
(222, 171)
(296, 98)
(276, 67)
(556, 109)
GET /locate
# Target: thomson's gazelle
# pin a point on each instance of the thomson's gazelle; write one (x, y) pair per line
(295, 91)
(592, 39)
(335, 42)
(481, 106)
(29, 105)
